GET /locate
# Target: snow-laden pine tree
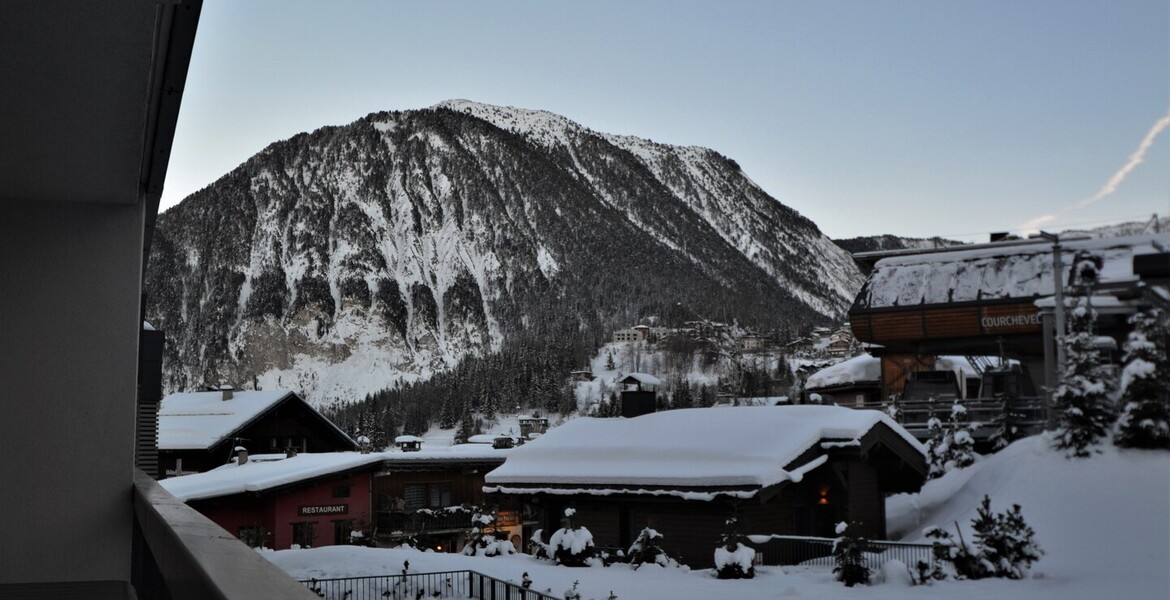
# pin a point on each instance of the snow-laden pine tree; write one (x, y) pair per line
(1084, 411)
(1145, 385)
(1007, 545)
(959, 441)
(849, 555)
(936, 449)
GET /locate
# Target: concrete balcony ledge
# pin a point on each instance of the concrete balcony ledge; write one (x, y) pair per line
(179, 554)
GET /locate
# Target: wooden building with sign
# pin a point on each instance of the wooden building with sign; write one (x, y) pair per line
(988, 300)
(277, 501)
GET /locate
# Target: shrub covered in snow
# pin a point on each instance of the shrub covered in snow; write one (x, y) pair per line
(1084, 410)
(1145, 385)
(539, 548)
(734, 560)
(1004, 546)
(571, 545)
(483, 541)
(849, 555)
(646, 550)
(572, 593)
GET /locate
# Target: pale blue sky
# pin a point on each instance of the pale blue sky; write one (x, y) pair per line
(914, 118)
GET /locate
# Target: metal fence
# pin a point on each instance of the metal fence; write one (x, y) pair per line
(412, 586)
(817, 551)
(1030, 415)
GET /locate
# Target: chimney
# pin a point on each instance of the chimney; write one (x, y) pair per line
(290, 452)
(241, 455)
(364, 444)
(228, 391)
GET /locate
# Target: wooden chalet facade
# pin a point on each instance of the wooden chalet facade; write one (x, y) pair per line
(795, 470)
(988, 300)
(415, 495)
(200, 431)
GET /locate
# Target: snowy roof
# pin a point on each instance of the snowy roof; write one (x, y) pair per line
(259, 474)
(199, 420)
(642, 378)
(858, 368)
(993, 271)
(407, 439)
(672, 453)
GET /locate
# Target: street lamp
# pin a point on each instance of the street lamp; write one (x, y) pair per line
(1058, 294)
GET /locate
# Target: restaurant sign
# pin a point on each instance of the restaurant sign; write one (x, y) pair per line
(325, 509)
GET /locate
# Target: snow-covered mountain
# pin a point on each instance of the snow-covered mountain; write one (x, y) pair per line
(347, 259)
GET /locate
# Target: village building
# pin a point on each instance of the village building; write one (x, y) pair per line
(631, 335)
(428, 496)
(855, 382)
(318, 499)
(996, 300)
(794, 470)
(277, 501)
(200, 431)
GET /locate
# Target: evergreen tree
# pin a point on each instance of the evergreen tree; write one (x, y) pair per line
(467, 425)
(1084, 411)
(1145, 385)
(936, 450)
(682, 394)
(609, 364)
(960, 444)
(849, 555)
(1006, 543)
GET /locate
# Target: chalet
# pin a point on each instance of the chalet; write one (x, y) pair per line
(996, 300)
(200, 431)
(639, 393)
(855, 382)
(783, 470)
(426, 496)
(276, 501)
(840, 342)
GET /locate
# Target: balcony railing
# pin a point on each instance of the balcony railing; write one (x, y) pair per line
(1030, 415)
(818, 551)
(178, 554)
(399, 523)
(446, 584)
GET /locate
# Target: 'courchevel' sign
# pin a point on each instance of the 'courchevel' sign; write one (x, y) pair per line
(1010, 321)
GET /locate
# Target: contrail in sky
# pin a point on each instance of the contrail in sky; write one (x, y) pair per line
(1110, 186)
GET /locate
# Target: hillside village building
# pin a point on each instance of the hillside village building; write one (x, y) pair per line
(783, 470)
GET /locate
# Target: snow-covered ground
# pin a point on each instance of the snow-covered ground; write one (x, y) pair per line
(1104, 523)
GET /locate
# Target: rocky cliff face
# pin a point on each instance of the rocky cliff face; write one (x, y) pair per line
(347, 259)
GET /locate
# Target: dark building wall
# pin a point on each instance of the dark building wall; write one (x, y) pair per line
(867, 504)
(69, 323)
(692, 528)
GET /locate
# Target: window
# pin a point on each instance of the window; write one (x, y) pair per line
(304, 534)
(254, 536)
(341, 530)
(426, 495)
(341, 491)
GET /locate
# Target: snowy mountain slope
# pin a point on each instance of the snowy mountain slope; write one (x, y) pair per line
(345, 260)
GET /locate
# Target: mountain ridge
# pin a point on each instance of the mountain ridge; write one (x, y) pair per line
(372, 254)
